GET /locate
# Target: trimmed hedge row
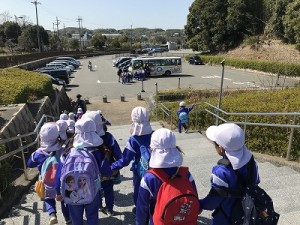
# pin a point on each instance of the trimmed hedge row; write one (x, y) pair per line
(281, 68)
(268, 140)
(19, 86)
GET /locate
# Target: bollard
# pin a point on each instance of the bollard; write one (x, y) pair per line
(139, 96)
(122, 98)
(104, 98)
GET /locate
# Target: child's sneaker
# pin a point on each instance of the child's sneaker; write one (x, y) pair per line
(109, 212)
(53, 219)
(68, 221)
(103, 210)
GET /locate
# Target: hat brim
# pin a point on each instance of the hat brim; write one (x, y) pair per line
(239, 158)
(165, 158)
(211, 133)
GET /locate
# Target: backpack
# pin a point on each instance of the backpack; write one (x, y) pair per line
(45, 186)
(80, 177)
(106, 149)
(183, 117)
(253, 206)
(177, 200)
(142, 165)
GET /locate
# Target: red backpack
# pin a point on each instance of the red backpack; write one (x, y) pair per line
(177, 200)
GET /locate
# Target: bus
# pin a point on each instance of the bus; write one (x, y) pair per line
(158, 65)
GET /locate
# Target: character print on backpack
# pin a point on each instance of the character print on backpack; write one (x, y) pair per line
(177, 200)
(80, 179)
(183, 117)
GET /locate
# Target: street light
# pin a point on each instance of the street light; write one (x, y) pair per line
(221, 91)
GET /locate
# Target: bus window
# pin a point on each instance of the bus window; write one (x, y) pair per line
(137, 64)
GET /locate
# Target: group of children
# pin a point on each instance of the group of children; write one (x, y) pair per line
(88, 133)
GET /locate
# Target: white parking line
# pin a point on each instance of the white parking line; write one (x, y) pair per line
(108, 82)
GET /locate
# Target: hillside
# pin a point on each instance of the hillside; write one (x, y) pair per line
(273, 50)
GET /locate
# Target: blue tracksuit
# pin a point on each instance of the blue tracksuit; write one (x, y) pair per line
(147, 195)
(91, 210)
(107, 182)
(223, 177)
(37, 159)
(132, 152)
(183, 109)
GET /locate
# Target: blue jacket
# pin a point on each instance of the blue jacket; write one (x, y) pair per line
(184, 109)
(112, 143)
(224, 177)
(131, 151)
(148, 191)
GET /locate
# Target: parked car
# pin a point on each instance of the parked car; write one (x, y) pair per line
(122, 60)
(196, 60)
(56, 73)
(56, 81)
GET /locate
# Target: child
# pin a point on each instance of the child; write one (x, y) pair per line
(115, 152)
(229, 142)
(141, 132)
(85, 138)
(185, 112)
(49, 145)
(167, 157)
(79, 113)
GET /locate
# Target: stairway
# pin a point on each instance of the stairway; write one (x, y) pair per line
(281, 183)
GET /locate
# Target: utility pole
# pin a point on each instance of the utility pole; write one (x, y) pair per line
(130, 38)
(57, 32)
(37, 24)
(79, 20)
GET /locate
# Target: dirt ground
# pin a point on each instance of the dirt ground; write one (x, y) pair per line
(116, 111)
(270, 50)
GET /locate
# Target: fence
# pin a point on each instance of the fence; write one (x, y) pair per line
(217, 112)
(23, 147)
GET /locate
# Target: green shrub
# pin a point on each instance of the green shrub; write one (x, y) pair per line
(5, 172)
(281, 68)
(268, 140)
(17, 86)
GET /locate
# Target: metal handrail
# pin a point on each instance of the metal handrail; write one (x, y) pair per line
(216, 114)
(23, 147)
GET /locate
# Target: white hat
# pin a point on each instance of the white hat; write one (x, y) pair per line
(71, 126)
(63, 116)
(85, 134)
(79, 110)
(181, 104)
(164, 153)
(140, 121)
(71, 116)
(232, 138)
(62, 128)
(49, 137)
(96, 117)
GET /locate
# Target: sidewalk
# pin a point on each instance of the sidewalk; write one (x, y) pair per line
(281, 182)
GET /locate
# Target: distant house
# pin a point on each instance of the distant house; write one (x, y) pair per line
(84, 38)
(110, 36)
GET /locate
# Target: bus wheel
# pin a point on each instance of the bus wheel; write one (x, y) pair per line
(167, 73)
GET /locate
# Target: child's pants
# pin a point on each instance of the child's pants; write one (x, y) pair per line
(109, 196)
(91, 212)
(50, 205)
(181, 124)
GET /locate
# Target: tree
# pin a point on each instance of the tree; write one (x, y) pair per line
(28, 39)
(291, 22)
(98, 41)
(12, 31)
(74, 44)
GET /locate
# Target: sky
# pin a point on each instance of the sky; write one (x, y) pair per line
(117, 14)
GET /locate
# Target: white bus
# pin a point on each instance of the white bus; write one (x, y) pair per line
(158, 65)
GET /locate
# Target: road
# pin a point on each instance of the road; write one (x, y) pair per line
(103, 80)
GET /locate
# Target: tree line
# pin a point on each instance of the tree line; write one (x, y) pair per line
(214, 25)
